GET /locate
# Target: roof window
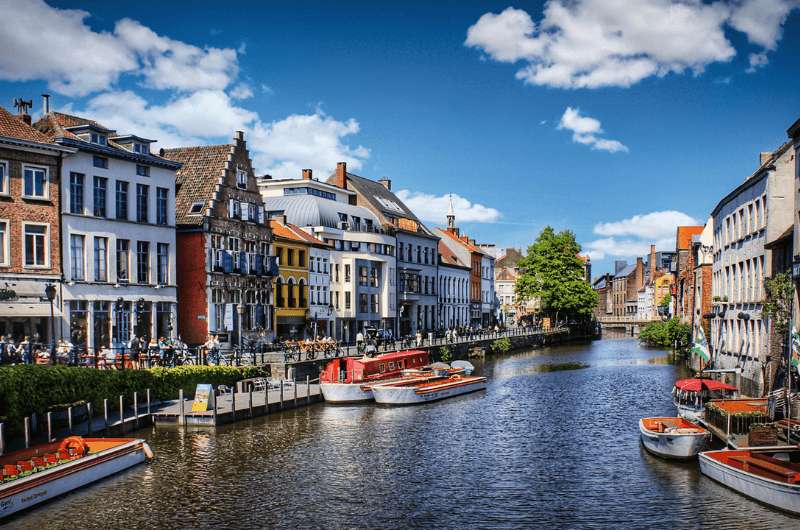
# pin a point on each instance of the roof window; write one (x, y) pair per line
(99, 139)
(196, 208)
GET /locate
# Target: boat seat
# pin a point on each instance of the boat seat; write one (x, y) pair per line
(788, 474)
(776, 461)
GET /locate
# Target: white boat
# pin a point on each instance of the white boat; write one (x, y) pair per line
(32, 476)
(431, 389)
(691, 395)
(755, 474)
(673, 437)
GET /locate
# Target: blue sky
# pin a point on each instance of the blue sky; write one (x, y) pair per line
(613, 119)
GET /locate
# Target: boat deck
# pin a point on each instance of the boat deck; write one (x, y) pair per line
(761, 465)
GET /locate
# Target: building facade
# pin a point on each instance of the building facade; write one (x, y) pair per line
(225, 263)
(118, 234)
(291, 286)
(453, 292)
(684, 274)
(488, 296)
(30, 237)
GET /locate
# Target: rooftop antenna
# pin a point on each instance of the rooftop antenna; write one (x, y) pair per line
(22, 105)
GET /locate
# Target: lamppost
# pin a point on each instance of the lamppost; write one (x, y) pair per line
(240, 311)
(50, 293)
(119, 308)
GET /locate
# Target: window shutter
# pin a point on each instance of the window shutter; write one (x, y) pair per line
(245, 211)
(230, 208)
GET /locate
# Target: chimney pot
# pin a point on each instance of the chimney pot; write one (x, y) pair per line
(306, 174)
(46, 103)
(763, 157)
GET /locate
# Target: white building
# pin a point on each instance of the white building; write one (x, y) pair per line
(645, 303)
(320, 302)
(755, 212)
(488, 301)
(118, 234)
(362, 265)
(453, 279)
(505, 281)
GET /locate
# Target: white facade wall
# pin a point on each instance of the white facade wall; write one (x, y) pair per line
(453, 296)
(488, 307)
(319, 285)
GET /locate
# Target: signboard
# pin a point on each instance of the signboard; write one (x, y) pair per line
(203, 397)
(546, 323)
(228, 321)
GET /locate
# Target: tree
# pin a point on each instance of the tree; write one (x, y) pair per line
(778, 306)
(665, 301)
(553, 273)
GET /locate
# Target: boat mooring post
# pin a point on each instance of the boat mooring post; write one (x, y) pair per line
(294, 385)
(121, 413)
(105, 413)
(281, 394)
(181, 413)
(214, 408)
(27, 432)
(308, 389)
(136, 408)
(233, 403)
(89, 426)
(250, 401)
(148, 401)
(69, 419)
(49, 427)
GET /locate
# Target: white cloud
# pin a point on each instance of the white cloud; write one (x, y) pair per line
(57, 45)
(429, 207)
(242, 91)
(596, 43)
(757, 60)
(633, 236)
(587, 131)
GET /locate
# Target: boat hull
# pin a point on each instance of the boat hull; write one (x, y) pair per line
(691, 414)
(785, 497)
(408, 395)
(42, 486)
(345, 392)
(675, 446)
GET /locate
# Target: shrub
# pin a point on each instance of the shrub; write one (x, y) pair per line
(444, 354)
(667, 334)
(501, 345)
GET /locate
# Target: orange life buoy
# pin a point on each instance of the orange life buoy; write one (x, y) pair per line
(74, 445)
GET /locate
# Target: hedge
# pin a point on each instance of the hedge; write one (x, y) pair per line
(28, 389)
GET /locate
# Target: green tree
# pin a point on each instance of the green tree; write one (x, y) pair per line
(553, 273)
(667, 334)
(666, 301)
(778, 307)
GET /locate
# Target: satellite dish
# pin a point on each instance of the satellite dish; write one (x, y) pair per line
(464, 365)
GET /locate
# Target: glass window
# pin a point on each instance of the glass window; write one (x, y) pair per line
(75, 193)
(122, 200)
(162, 198)
(35, 182)
(99, 139)
(100, 161)
(100, 259)
(100, 186)
(76, 252)
(143, 261)
(123, 260)
(142, 171)
(35, 245)
(162, 258)
(241, 178)
(3, 178)
(301, 258)
(289, 256)
(142, 193)
(4, 243)
(347, 299)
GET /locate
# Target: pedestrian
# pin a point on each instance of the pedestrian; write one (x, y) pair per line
(212, 350)
(24, 350)
(134, 348)
(152, 349)
(359, 342)
(3, 345)
(419, 339)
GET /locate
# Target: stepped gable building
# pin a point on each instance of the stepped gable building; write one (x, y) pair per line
(30, 237)
(226, 267)
(417, 249)
(454, 286)
(117, 234)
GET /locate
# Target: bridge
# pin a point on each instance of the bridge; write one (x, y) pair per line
(632, 324)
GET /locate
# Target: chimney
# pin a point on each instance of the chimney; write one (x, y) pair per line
(22, 109)
(239, 136)
(45, 103)
(763, 157)
(652, 263)
(387, 182)
(306, 174)
(341, 175)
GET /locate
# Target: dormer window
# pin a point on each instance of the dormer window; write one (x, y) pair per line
(141, 148)
(241, 178)
(99, 139)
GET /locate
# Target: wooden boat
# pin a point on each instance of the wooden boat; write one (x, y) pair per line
(691, 395)
(344, 380)
(34, 475)
(673, 437)
(755, 473)
(414, 392)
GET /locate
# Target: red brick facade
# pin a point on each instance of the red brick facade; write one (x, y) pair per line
(191, 267)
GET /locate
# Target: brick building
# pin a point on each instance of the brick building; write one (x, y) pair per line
(703, 258)
(225, 268)
(628, 279)
(603, 285)
(684, 272)
(30, 242)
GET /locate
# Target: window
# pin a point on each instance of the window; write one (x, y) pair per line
(290, 292)
(100, 161)
(141, 148)
(76, 256)
(143, 261)
(35, 245)
(162, 263)
(99, 139)
(122, 200)
(4, 243)
(142, 193)
(373, 303)
(347, 273)
(362, 303)
(301, 258)
(35, 182)
(142, 171)
(100, 186)
(100, 259)
(347, 299)
(75, 193)
(123, 260)
(362, 275)
(241, 178)
(3, 178)
(301, 287)
(162, 197)
(289, 256)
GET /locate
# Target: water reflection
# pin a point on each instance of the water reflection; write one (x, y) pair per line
(539, 448)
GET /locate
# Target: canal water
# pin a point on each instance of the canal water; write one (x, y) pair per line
(552, 442)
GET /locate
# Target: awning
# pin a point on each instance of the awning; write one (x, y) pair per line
(23, 310)
(696, 385)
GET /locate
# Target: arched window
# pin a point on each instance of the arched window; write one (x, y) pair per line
(290, 293)
(279, 292)
(301, 287)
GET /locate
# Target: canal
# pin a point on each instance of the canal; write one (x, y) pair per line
(552, 442)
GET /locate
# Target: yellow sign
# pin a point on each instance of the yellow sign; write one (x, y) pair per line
(203, 397)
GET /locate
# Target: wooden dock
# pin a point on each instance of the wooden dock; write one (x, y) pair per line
(238, 406)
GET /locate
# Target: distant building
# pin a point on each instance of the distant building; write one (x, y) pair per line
(628, 279)
(684, 274)
(454, 285)
(603, 285)
(703, 259)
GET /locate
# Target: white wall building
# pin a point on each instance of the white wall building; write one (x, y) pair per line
(320, 302)
(453, 278)
(118, 234)
(645, 304)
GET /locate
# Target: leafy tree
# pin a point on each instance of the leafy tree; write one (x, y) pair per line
(667, 334)
(666, 300)
(778, 307)
(553, 273)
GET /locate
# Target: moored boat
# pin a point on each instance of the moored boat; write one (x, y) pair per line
(691, 395)
(431, 389)
(34, 475)
(673, 437)
(757, 474)
(346, 380)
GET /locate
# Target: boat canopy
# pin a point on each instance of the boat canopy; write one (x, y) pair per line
(696, 385)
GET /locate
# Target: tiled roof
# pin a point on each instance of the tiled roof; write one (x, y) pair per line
(509, 259)
(293, 233)
(54, 124)
(203, 168)
(448, 257)
(13, 127)
(684, 237)
(461, 240)
(505, 274)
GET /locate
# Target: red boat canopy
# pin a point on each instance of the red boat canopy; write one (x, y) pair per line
(696, 385)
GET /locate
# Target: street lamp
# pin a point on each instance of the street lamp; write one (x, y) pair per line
(50, 293)
(119, 307)
(240, 311)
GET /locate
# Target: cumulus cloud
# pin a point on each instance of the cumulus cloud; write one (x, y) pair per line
(597, 43)
(633, 236)
(587, 131)
(429, 207)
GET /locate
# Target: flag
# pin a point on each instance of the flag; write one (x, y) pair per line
(700, 346)
(795, 348)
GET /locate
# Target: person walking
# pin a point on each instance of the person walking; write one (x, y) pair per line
(212, 350)
(24, 350)
(3, 346)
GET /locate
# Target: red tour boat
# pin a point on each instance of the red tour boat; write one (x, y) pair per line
(341, 380)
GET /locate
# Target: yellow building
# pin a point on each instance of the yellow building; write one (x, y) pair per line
(663, 287)
(292, 247)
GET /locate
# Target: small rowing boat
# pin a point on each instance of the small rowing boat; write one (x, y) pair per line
(40, 473)
(758, 474)
(673, 437)
(414, 392)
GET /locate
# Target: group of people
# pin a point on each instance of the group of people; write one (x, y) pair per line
(23, 352)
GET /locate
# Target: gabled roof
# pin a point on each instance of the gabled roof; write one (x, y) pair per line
(683, 240)
(509, 259)
(448, 257)
(55, 124)
(505, 274)
(461, 240)
(203, 168)
(293, 233)
(12, 127)
(626, 271)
